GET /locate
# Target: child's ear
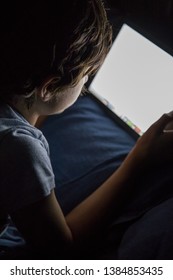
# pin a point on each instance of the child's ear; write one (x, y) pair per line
(44, 90)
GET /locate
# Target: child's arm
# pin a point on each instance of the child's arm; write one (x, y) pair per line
(43, 223)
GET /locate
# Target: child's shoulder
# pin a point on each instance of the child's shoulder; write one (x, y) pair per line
(15, 127)
(17, 135)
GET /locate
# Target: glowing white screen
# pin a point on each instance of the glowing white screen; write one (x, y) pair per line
(136, 78)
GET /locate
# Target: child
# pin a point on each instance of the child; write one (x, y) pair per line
(47, 53)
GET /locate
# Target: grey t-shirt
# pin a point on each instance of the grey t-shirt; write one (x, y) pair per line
(26, 174)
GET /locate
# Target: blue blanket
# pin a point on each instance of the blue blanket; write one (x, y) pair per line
(86, 147)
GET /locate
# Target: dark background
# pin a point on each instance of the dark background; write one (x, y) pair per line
(154, 16)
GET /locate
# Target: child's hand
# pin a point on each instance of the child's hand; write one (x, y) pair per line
(155, 147)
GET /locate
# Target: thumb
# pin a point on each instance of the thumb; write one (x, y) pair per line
(160, 124)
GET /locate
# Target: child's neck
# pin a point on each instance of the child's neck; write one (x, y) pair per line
(29, 114)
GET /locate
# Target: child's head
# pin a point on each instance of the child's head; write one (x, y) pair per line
(41, 39)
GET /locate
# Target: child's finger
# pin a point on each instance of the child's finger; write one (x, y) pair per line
(161, 123)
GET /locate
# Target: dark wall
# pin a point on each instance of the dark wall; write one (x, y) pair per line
(156, 16)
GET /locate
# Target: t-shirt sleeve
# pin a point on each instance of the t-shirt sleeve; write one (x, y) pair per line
(26, 172)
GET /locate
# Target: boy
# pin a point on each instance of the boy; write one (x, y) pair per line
(47, 52)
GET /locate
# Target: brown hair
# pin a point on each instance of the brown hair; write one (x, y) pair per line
(49, 40)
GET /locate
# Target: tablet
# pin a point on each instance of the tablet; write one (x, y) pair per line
(135, 82)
